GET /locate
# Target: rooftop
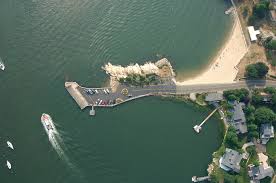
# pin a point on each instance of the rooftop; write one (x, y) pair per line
(267, 132)
(253, 33)
(231, 160)
(259, 173)
(238, 120)
(213, 97)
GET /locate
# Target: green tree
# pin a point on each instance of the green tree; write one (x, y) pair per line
(273, 99)
(231, 139)
(260, 9)
(264, 115)
(257, 99)
(256, 71)
(253, 131)
(252, 20)
(240, 95)
(272, 45)
(270, 90)
(232, 97)
(251, 72)
(249, 109)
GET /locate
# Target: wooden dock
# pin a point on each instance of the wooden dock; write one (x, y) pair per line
(198, 128)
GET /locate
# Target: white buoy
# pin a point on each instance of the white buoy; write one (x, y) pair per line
(10, 145)
(9, 165)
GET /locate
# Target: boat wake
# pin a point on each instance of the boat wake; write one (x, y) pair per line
(58, 145)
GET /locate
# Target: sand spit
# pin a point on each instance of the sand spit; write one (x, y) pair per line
(224, 67)
(161, 68)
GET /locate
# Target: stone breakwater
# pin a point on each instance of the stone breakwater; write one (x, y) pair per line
(161, 68)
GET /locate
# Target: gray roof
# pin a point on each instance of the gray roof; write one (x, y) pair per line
(231, 159)
(258, 173)
(213, 97)
(238, 120)
(267, 132)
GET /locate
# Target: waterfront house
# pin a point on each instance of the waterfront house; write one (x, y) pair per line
(267, 132)
(267, 97)
(214, 97)
(257, 173)
(253, 33)
(230, 161)
(238, 120)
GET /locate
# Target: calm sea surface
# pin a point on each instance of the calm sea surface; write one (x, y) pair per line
(45, 42)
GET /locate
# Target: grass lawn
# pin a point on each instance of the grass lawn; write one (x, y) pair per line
(271, 148)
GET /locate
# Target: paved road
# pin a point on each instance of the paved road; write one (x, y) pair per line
(171, 88)
(202, 88)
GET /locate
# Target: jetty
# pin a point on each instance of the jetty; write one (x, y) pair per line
(198, 128)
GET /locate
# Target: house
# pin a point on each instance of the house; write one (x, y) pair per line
(230, 161)
(238, 120)
(267, 97)
(214, 97)
(253, 33)
(257, 173)
(267, 132)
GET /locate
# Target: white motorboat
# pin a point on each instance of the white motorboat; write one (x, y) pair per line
(9, 165)
(48, 124)
(2, 66)
(10, 145)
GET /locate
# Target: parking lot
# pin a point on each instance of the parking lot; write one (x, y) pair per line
(105, 97)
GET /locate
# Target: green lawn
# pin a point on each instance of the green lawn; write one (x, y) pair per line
(271, 148)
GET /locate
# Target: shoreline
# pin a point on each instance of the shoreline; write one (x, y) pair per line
(229, 56)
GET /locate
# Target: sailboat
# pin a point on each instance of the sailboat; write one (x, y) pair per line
(10, 145)
(9, 165)
(2, 66)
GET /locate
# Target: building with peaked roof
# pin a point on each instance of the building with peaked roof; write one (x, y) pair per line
(257, 173)
(266, 133)
(238, 120)
(230, 161)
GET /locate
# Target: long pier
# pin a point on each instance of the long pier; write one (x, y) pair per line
(105, 97)
(198, 128)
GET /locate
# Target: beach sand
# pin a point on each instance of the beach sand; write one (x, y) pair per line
(224, 67)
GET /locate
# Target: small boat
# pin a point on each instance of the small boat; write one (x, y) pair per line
(2, 66)
(48, 125)
(9, 165)
(10, 145)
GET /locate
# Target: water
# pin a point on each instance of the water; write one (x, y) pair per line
(44, 43)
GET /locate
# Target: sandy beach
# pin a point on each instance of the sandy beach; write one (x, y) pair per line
(223, 69)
